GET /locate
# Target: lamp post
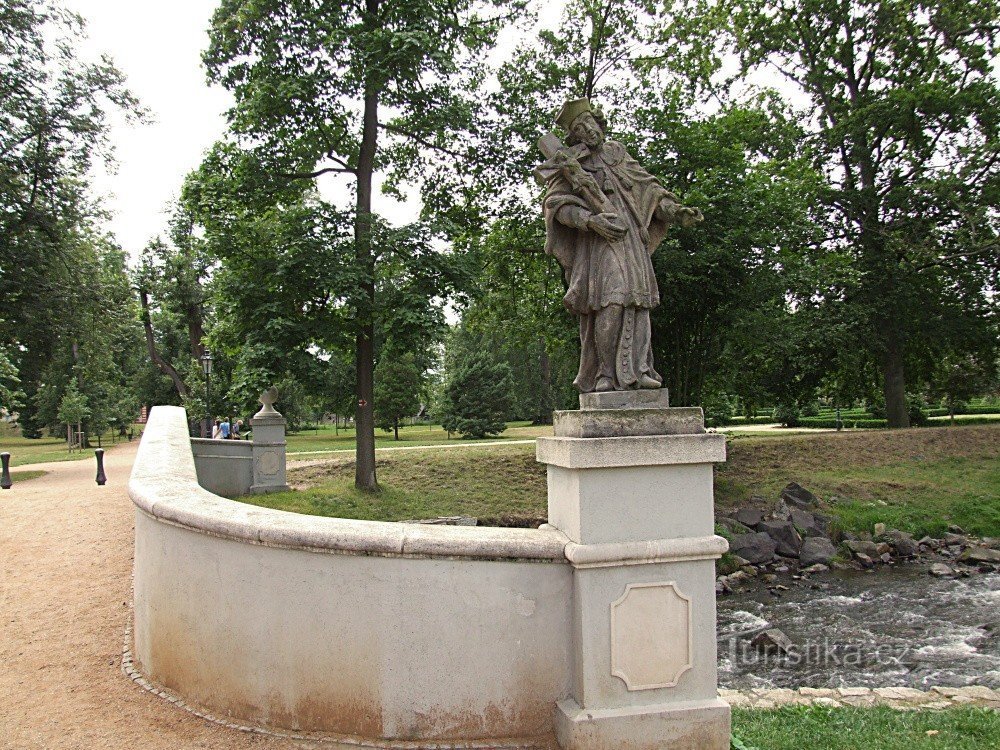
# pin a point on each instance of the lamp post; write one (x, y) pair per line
(206, 367)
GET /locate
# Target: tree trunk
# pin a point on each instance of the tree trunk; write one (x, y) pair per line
(364, 462)
(395, 427)
(165, 367)
(545, 392)
(196, 330)
(894, 384)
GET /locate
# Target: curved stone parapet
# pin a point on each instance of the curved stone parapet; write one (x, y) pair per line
(383, 631)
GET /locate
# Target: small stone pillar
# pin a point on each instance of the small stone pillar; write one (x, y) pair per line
(268, 446)
(630, 484)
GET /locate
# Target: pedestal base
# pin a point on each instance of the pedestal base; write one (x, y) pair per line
(697, 725)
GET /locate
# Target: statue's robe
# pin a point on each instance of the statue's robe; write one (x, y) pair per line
(601, 273)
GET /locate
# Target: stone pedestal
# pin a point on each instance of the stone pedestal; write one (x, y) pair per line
(630, 484)
(268, 453)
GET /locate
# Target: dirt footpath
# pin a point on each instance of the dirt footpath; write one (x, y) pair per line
(65, 567)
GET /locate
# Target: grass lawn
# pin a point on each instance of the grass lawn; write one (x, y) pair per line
(488, 482)
(818, 728)
(325, 438)
(918, 480)
(41, 450)
(24, 476)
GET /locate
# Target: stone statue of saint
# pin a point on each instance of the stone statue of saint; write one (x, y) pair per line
(604, 217)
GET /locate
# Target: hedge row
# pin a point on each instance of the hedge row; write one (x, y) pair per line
(848, 423)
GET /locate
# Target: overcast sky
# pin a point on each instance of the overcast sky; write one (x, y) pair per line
(158, 47)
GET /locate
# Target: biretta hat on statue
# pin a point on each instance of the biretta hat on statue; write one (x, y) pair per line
(572, 109)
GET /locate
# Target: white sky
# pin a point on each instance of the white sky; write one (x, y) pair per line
(158, 47)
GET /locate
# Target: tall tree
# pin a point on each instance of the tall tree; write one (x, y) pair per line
(314, 84)
(901, 104)
(398, 384)
(53, 125)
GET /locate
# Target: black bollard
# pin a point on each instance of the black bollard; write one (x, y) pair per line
(101, 478)
(5, 482)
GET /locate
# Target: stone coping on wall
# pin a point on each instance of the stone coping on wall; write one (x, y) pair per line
(902, 698)
(164, 485)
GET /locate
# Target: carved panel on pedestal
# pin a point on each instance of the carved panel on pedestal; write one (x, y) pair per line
(268, 463)
(651, 636)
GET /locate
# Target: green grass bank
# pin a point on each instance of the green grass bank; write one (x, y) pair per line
(819, 728)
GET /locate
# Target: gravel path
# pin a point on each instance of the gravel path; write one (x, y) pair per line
(65, 570)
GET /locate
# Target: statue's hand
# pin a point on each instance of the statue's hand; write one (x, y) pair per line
(608, 225)
(688, 217)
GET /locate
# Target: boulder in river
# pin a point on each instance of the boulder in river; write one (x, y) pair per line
(784, 534)
(981, 555)
(773, 640)
(862, 548)
(755, 548)
(941, 570)
(817, 550)
(809, 524)
(902, 543)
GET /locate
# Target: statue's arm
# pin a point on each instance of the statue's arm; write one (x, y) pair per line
(670, 210)
(575, 217)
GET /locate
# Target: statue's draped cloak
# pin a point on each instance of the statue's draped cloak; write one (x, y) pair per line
(601, 273)
(598, 271)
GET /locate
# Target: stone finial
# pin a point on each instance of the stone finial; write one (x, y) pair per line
(267, 399)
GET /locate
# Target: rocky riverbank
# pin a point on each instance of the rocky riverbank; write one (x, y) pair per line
(798, 536)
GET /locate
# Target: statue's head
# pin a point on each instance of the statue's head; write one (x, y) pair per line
(582, 123)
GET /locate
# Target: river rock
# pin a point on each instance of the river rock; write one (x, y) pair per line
(796, 496)
(755, 548)
(981, 555)
(749, 517)
(809, 524)
(784, 533)
(817, 568)
(951, 538)
(865, 560)
(773, 640)
(732, 525)
(903, 543)
(862, 548)
(817, 550)
(940, 570)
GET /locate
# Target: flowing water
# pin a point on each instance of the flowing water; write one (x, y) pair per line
(894, 627)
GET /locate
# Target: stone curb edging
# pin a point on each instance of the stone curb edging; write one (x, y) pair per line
(900, 698)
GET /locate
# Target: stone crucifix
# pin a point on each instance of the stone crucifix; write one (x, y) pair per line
(604, 217)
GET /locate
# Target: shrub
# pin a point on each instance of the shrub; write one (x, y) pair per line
(787, 414)
(719, 409)
(478, 397)
(915, 410)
